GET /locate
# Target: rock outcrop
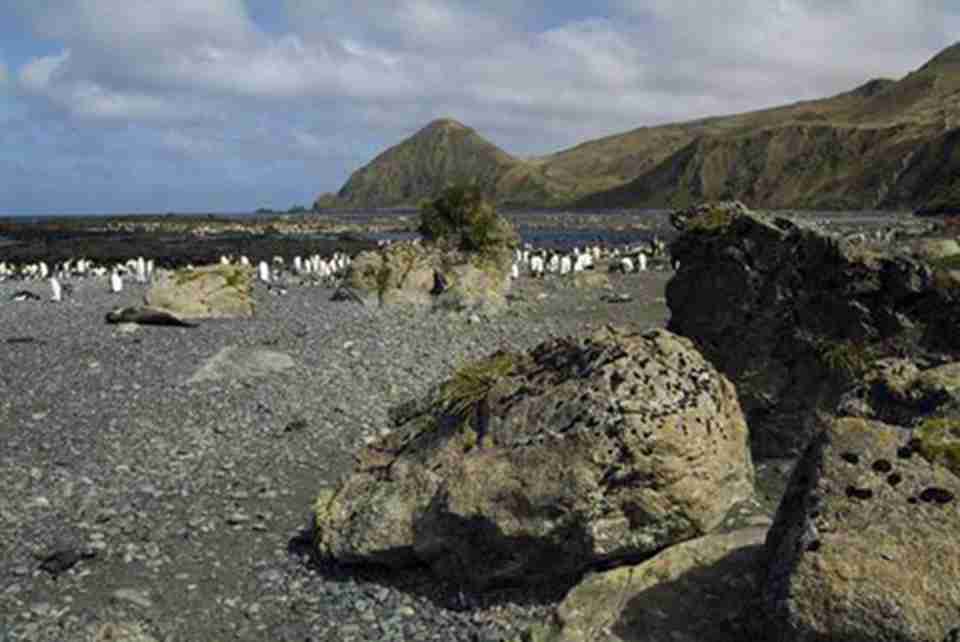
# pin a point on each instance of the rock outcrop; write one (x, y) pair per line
(797, 319)
(528, 467)
(416, 274)
(863, 546)
(212, 292)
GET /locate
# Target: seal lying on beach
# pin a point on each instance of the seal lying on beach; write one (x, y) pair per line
(147, 316)
(25, 295)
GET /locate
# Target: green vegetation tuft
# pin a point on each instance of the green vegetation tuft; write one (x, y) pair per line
(849, 359)
(938, 441)
(474, 381)
(461, 217)
(713, 221)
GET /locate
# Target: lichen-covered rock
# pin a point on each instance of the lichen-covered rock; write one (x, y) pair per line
(431, 276)
(796, 318)
(531, 466)
(863, 548)
(696, 591)
(212, 292)
(897, 391)
(402, 273)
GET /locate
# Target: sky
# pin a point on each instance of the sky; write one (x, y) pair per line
(114, 106)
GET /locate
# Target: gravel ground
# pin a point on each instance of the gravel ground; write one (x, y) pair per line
(189, 504)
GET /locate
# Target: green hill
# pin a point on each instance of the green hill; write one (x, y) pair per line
(886, 144)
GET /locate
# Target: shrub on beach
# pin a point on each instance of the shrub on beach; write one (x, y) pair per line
(463, 218)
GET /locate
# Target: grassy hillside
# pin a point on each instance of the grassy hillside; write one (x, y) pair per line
(885, 144)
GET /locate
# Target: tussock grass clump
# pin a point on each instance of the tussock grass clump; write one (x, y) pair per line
(474, 381)
(714, 220)
(463, 218)
(938, 440)
(847, 358)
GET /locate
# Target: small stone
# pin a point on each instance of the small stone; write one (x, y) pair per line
(237, 518)
(132, 596)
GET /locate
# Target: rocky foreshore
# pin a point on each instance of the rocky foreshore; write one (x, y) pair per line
(161, 478)
(529, 471)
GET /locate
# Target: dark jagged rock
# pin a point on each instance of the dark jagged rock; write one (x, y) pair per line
(797, 318)
(63, 560)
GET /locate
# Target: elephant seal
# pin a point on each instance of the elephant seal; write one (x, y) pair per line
(147, 316)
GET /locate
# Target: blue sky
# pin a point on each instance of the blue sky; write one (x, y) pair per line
(228, 105)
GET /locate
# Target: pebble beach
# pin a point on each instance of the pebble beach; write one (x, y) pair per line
(159, 480)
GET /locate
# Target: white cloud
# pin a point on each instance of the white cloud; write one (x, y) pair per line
(37, 74)
(338, 81)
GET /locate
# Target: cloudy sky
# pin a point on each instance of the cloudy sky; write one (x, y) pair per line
(228, 105)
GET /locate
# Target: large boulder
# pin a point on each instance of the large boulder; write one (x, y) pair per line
(696, 591)
(525, 467)
(429, 275)
(212, 292)
(796, 317)
(400, 273)
(862, 548)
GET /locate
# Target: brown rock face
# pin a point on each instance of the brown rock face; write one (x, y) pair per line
(526, 467)
(863, 547)
(213, 292)
(796, 318)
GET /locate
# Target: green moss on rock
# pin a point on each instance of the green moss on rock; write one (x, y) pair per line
(938, 441)
(848, 359)
(712, 221)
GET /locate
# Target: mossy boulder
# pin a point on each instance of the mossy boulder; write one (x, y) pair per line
(937, 439)
(425, 275)
(463, 262)
(708, 218)
(531, 467)
(400, 273)
(211, 292)
(935, 249)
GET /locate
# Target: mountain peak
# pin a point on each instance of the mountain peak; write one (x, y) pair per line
(445, 151)
(444, 124)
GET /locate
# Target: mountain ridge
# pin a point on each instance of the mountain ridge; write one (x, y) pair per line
(885, 144)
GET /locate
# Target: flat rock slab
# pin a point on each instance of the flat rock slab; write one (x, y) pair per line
(691, 592)
(234, 362)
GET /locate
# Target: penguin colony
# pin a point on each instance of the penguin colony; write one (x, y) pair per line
(327, 271)
(319, 270)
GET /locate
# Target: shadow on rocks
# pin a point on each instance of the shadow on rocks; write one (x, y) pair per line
(419, 581)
